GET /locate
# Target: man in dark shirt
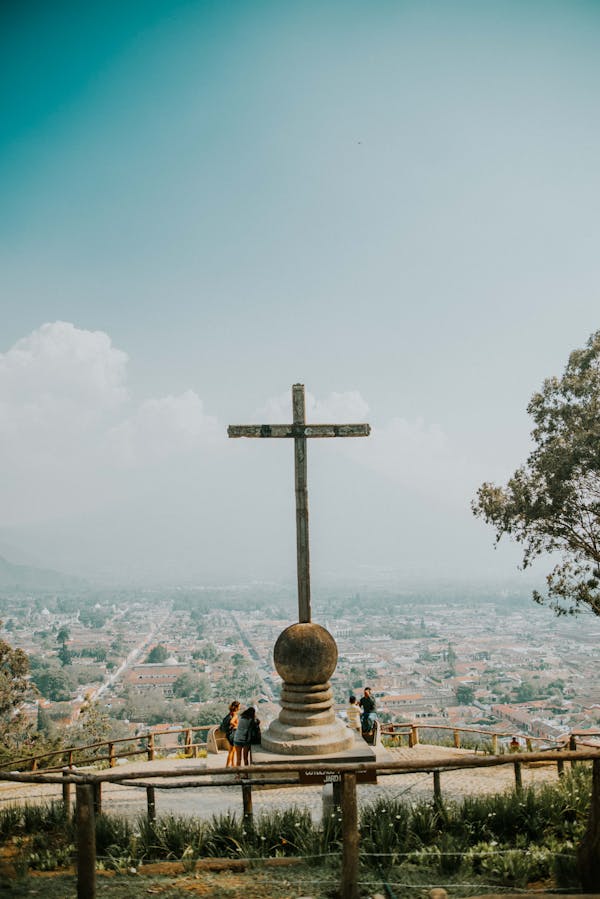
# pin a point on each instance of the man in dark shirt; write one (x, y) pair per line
(367, 704)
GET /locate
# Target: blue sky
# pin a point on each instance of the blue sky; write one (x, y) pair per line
(395, 203)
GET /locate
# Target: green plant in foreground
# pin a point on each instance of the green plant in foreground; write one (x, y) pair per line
(510, 839)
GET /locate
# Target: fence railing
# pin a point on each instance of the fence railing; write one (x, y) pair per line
(111, 751)
(88, 790)
(151, 744)
(413, 731)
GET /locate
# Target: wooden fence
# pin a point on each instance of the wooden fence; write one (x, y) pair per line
(111, 751)
(149, 745)
(412, 732)
(88, 786)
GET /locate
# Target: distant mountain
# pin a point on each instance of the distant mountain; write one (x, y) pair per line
(30, 578)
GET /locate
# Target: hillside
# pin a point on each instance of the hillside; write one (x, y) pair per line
(31, 578)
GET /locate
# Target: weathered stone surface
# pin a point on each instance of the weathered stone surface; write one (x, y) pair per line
(305, 657)
(305, 654)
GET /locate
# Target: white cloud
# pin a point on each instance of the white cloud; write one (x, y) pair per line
(60, 364)
(420, 457)
(414, 454)
(345, 407)
(162, 427)
(68, 423)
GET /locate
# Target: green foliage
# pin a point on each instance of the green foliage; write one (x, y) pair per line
(93, 726)
(509, 840)
(63, 635)
(98, 653)
(14, 668)
(157, 654)
(208, 651)
(95, 618)
(464, 694)
(53, 683)
(151, 707)
(210, 713)
(64, 654)
(195, 687)
(552, 502)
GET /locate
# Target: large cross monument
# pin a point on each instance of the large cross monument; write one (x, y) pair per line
(305, 654)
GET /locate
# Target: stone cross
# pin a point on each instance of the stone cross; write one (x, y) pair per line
(299, 430)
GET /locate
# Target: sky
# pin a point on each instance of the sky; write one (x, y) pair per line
(203, 203)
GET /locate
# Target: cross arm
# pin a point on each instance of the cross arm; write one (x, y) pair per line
(299, 430)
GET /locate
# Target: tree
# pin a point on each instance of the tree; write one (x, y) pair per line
(157, 654)
(64, 635)
(64, 654)
(14, 667)
(194, 687)
(95, 618)
(208, 651)
(551, 504)
(451, 659)
(464, 694)
(93, 724)
(52, 683)
(211, 713)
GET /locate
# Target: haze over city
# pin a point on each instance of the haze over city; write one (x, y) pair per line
(393, 203)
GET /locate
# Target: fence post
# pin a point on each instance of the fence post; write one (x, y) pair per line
(86, 842)
(588, 854)
(151, 804)
(456, 739)
(518, 777)
(150, 747)
(188, 742)
(414, 732)
(528, 744)
(350, 838)
(560, 767)
(573, 746)
(70, 758)
(97, 788)
(66, 793)
(111, 755)
(247, 799)
(494, 744)
(437, 788)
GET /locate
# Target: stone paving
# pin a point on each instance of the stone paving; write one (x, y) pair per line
(207, 801)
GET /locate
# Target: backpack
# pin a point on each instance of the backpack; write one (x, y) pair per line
(254, 733)
(225, 725)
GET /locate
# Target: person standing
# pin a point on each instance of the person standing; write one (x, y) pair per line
(228, 726)
(368, 706)
(247, 725)
(353, 714)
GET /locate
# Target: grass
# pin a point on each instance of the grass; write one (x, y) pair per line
(503, 841)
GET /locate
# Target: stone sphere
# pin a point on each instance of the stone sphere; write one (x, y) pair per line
(305, 654)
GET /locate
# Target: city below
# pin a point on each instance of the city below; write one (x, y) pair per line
(170, 658)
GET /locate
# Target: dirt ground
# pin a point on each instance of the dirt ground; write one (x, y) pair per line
(290, 882)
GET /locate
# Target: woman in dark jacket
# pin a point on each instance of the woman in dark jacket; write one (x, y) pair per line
(243, 735)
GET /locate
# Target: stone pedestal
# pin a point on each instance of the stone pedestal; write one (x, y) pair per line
(305, 657)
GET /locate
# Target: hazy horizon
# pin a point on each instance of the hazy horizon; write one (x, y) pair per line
(394, 204)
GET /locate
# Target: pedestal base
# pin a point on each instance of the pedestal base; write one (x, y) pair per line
(307, 724)
(357, 751)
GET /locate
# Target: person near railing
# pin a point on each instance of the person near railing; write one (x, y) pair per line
(228, 726)
(353, 714)
(369, 714)
(242, 739)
